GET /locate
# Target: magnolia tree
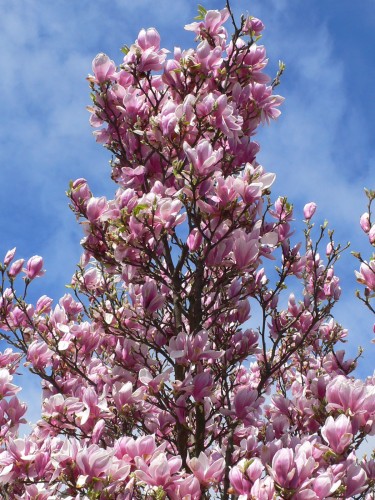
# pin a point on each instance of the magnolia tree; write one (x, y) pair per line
(157, 383)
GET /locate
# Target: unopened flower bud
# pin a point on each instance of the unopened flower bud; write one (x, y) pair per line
(9, 256)
(365, 222)
(330, 248)
(15, 268)
(34, 267)
(103, 67)
(309, 210)
(253, 25)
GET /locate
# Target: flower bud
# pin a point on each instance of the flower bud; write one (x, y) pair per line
(80, 193)
(309, 210)
(364, 221)
(329, 248)
(43, 305)
(194, 240)
(34, 267)
(103, 67)
(253, 25)
(15, 268)
(149, 38)
(9, 256)
(95, 208)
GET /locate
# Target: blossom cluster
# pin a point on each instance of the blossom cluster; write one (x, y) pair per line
(180, 365)
(366, 274)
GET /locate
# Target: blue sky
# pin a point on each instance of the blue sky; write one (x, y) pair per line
(322, 147)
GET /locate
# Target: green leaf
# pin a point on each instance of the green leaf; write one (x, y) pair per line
(201, 13)
(139, 209)
(282, 66)
(370, 194)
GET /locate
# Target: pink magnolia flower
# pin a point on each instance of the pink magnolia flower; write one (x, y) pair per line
(92, 278)
(18, 318)
(152, 299)
(263, 489)
(39, 355)
(9, 360)
(146, 54)
(123, 395)
(245, 474)
(248, 192)
(128, 448)
(43, 305)
(103, 68)
(239, 481)
(365, 222)
(15, 410)
(191, 348)
(225, 192)
(153, 384)
(253, 25)
(71, 307)
(226, 118)
(338, 433)
(149, 38)
(160, 472)
(325, 485)
(34, 267)
(169, 213)
(38, 491)
(210, 58)
(152, 59)
(283, 210)
(220, 253)
(246, 249)
(355, 479)
(202, 386)
(95, 208)
(203, 158)
(207, 472)
(366, 274)
(369, 467)
(188, 489)
(243, 343)
(9, 256)
(80, 193)
(242, 311)
(22, 450)
(289, 469)
(329, 248)
(267, 102)
(97, 431)
(6, 387)
(211, 26)
(95, 463)
(350, 395)
(245, 401)
(57, 407)
(309, 210)
(95, 406)
(251, 63)
(194, 240)
(16, 268)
